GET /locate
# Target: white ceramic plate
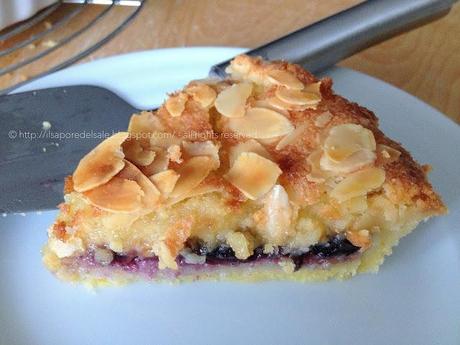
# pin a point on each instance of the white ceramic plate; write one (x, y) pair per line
(415, 299)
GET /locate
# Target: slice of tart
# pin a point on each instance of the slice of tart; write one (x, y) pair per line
(265, 175)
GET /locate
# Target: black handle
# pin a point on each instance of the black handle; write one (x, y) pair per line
(330, 40)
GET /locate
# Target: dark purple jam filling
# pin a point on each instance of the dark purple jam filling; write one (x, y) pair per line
(336, 249)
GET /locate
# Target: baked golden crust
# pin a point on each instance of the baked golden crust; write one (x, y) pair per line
(271, 158)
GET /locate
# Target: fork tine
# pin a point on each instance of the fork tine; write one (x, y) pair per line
(11, 72)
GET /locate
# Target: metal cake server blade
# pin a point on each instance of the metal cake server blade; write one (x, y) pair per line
(33, 163)
(32, 169)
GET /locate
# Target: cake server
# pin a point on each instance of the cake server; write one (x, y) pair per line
(33, 166)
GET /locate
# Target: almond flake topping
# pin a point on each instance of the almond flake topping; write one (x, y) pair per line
(142, 125)
(232, 101)
(387, 154)
(276, 104)
(352, 163)
(192, 173)
(277, 222)
(313, 88)
(253, 175)
(202, 93)
(136, 154)
(261, 123)
(117, 195)
(344, 140)
(359, 238)
(250, 145)
(175, 154)
(150, 194)
(164, 139)
(292, 137)
(175, 105)
(359, 183)
(297, 97)
(160, 162)
(202, 148)
(101, 164)
(165, 181)
(241, 243)
(316, 174)
(128, 191)
(285, 78)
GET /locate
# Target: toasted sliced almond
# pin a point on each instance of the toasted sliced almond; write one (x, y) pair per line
(241, 243)
(202, 148)
(278, 216)
(278, 105)
(232, 101)
(253, 175)
(160, 162)
(261, 123)
(359, 238)
(175, 105)
(250, 145)
(202, 93)
(355, 205)
(175, 154)
(314, 88)
(164, 139)
(344, 140)
(297, 97)
(192, 172)
(317, 175)
(119, 194)
(141, 126)
(165, 181)
(355, 161)
(150, 195)
(238, 68)
(275, 104)
(135, 153)
(387, 154)
(172, 243)
(323, 119)
(359, 183)
(292, 137)
(101, 164)
(285, 78)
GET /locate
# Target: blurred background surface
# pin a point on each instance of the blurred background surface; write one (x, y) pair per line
(424, 62)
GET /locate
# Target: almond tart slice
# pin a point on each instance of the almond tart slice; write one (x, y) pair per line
(265, 175)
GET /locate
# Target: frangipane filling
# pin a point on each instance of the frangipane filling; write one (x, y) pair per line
(268, 167)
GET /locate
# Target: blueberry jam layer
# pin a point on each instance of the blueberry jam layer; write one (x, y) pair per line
(337, 249)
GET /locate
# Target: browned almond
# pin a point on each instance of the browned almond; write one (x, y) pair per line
(359, 183)
(192, 173)
(202, 93)
(285, 78)
(175, 105)
(101, 164)
(261, 123)
(253, 175)
(232, 101)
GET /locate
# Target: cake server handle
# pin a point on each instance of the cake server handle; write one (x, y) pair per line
(332, 39)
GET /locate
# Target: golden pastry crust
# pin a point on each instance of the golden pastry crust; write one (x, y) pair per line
(271, 158)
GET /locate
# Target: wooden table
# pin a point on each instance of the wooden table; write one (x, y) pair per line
(425, 62)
